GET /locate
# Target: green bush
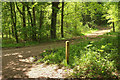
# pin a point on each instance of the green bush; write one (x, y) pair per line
(88, 58)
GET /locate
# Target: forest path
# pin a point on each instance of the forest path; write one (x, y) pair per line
(17, 63)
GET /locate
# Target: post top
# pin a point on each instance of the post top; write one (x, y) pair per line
(67, 41)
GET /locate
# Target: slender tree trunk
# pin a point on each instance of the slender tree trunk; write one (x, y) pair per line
(76, 14)
(62, 35)
(9, 34)
(12, 6)
(34, 23)
(12, 30)
(31, 21)
(24, 23)
(113, 27)
(16, 35)
(24, 19)
(29, 30)
(53, 20)
(41, 22)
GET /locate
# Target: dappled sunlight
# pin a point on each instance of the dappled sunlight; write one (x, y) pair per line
(95, 34)
(29, 51)
(23, 60)
(15, 69)
(20, 56)
(51, 71)
(10, 65)
(19, 63)
(13, 54)
(94, 58)
(15, 63)
(60, 40)
(28, 60)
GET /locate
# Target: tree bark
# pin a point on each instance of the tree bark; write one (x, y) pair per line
(41, 22)
(24, 23)
(12, 6)
(75, 14)
(24, 19)
(113, 27)
(12, 30)
(34, 23)
(53, 19)
(9, 33)
(31, 21)
(16, 35)
(62, 34)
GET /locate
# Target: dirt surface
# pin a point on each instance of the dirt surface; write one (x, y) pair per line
(18, 63)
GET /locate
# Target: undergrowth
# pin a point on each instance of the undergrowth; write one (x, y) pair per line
(93, 59)
(10, 43)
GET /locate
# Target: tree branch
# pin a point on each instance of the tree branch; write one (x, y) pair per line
(19, 9)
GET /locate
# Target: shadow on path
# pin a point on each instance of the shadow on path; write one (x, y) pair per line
(17, 63)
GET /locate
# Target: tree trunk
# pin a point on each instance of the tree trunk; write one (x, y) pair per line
(9, 34)
(75, 14)
(16, 35)
(34, 23)
(12, 30)
(24, 24)
(29, 30)
(24, 21)
(41, 22)
(31, 22)
(113, 27)
(12, 6)
(62, 34)
(53, 20)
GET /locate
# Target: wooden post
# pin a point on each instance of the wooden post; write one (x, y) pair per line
(113, 27)
(67, 52)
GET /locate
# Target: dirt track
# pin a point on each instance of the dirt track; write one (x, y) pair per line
(17, 63)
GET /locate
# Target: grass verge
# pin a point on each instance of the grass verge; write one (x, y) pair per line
(89, 59)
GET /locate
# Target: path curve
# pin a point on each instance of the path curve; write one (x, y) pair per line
(17, 63)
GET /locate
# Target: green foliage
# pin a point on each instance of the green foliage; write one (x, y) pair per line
(111, 13)
(76, 18)
(88, 58)
(10, 43)
(91, 59)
